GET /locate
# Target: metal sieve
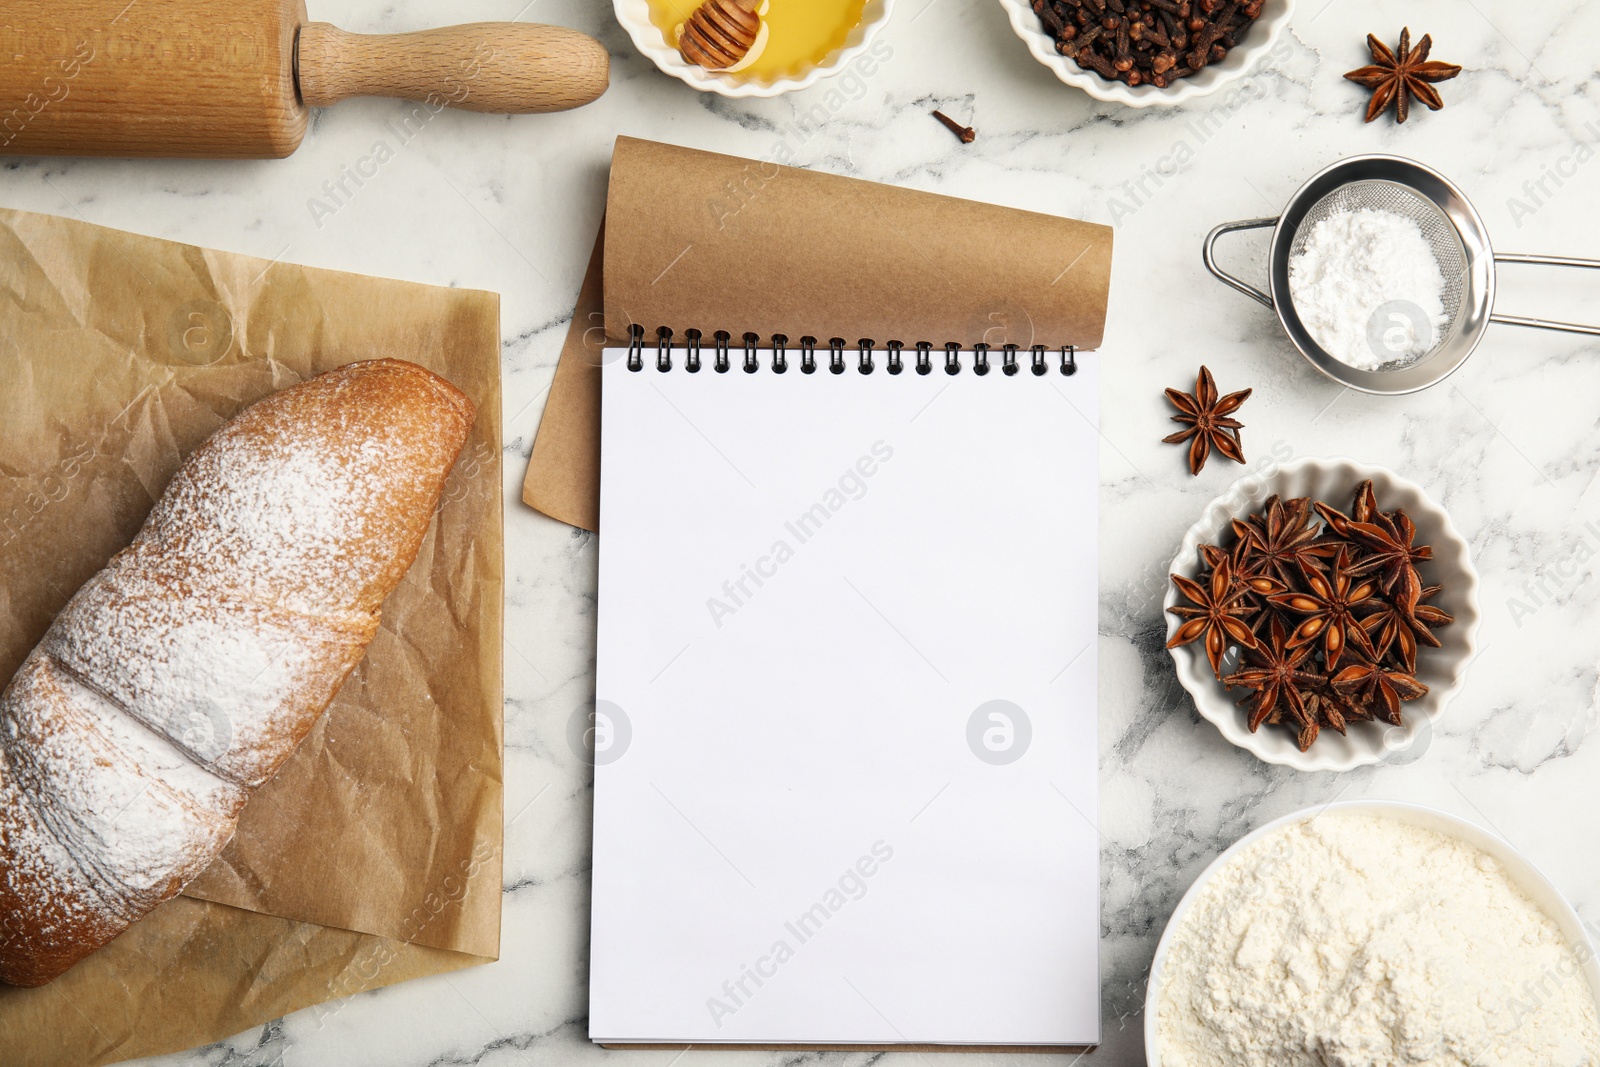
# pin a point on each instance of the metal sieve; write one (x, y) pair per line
(1454, 232)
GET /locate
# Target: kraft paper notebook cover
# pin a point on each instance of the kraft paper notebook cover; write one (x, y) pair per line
(706, 241)
(845, 729)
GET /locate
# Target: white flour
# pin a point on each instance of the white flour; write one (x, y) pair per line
(1357, 941)
(1368, 288)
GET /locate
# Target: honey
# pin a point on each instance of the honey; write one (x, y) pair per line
(800, 33)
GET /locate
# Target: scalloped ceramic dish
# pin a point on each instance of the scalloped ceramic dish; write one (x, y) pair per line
(1442, 669)
(1258, 43)
(647, 38)
(1522, 873)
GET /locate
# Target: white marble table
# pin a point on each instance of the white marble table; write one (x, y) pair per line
(1509, 445)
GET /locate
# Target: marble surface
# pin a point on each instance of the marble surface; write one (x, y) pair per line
(1508, 445)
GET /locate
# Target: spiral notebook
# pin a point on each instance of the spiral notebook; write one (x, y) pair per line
(845, 730)
(844, 727)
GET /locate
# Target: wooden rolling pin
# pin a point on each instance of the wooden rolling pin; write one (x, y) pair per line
(234, 79)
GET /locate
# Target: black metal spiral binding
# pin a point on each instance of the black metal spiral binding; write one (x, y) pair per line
(636, 348)
(865, 350)
(691, 354)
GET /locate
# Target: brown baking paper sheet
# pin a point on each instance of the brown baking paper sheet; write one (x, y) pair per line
(374, 856)
(563, 478)
(695, 240)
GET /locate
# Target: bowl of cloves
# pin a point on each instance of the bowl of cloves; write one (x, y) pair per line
(1323, 614)
(758, 48)
(1152, 53)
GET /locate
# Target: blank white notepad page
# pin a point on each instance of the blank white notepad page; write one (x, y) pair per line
(845, 782)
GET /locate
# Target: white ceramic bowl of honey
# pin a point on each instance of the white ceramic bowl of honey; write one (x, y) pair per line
(806, 41)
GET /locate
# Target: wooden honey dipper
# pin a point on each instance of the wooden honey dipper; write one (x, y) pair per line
(720, 33)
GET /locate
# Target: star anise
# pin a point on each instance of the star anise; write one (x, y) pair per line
(1308, 734)
(1247, 570)
(1209, 420)
(1213, 555)
(1380, 689)
(1286, 538)
(1306, 726)
(1393, 555)
(1217, 614)
(1365, 507)
(1328, 606)
(1389, 629)
(1252, 573)
(1333, 709)
(1277, 673)
(1395, 77)
(1425, 614)
(1394, 629)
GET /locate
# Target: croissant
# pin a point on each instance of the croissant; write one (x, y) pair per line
(181, 676)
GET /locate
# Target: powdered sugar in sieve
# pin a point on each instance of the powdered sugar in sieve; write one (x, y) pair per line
(1367, 285)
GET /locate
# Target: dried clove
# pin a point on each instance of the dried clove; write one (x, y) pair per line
(965, 133)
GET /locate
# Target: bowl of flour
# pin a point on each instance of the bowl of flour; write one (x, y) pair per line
(1372, 933)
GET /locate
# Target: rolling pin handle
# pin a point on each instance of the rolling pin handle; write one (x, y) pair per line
(500, 67)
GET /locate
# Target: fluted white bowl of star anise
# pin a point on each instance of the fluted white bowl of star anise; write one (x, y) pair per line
(1322, 614)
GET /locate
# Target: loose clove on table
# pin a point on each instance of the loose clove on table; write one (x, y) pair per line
(966, 133)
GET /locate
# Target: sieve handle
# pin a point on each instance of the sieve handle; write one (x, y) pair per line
(1546, 324)
(1227, 279)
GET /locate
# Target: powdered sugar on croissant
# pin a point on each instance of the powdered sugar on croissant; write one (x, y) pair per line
(183, 674)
